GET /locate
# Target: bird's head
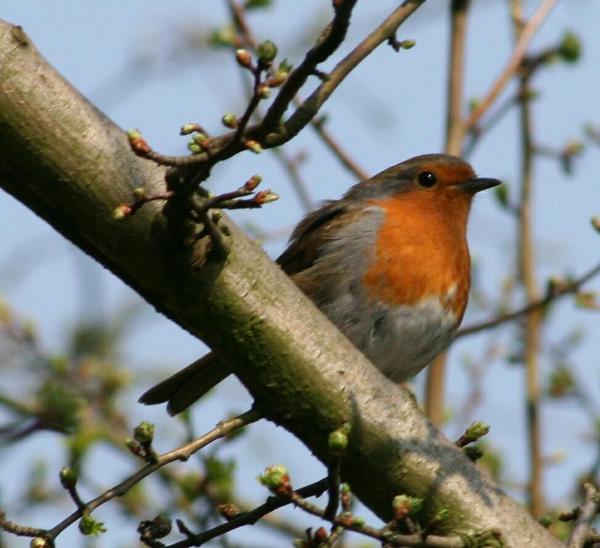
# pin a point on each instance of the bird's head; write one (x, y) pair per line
(428, 179)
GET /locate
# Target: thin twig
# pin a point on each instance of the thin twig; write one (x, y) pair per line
(181, 453)
(492, 120)
(513, 64)
(585, 515)
(238, 15)
(333, 488)
(300, 187)
(334, 146)
(309, 108)
(250, 517)
(328, 42)
(271, 132)
(75, 497)
(350, 523)
(19, 530)
(532, 326)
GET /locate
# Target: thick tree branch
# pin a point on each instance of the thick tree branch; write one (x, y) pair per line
(66, 161)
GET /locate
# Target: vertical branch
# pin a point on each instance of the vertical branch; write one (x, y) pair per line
(516, 14)
(459, 9)
(532, 322)
(454, 135)
(434, 389)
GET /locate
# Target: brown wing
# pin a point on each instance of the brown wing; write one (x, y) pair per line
(306, 242)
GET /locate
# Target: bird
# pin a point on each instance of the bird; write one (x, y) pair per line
(388, 263)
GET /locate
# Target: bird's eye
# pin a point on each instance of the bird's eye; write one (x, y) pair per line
(427, 179)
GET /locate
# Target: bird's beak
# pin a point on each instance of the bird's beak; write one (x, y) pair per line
(477, 184)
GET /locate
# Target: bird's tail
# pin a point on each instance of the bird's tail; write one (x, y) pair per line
(183, 388)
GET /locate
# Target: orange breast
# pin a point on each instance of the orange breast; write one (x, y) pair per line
(421, 252)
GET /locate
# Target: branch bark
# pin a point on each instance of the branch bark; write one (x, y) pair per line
(66, 161)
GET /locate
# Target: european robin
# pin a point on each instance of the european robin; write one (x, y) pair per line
(388, 264)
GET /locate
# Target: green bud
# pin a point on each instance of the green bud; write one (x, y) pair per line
(266, 51)
(408, 44)
(405, 505)
(139, 193)
(199, 138)
(570, 48)
(134, 446)
(137, 143)
(68, 477)
(194, 147)
(39, 542)
(285, 67)
(133, 134)
(274, 476)
(338, 440)
(546, 521)
(144, 433)
(223, 37)
(89, 526)
(277, 80)
(441, 515)
(562, 383)
(187, 129)
(230, 120)
(477, 430)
